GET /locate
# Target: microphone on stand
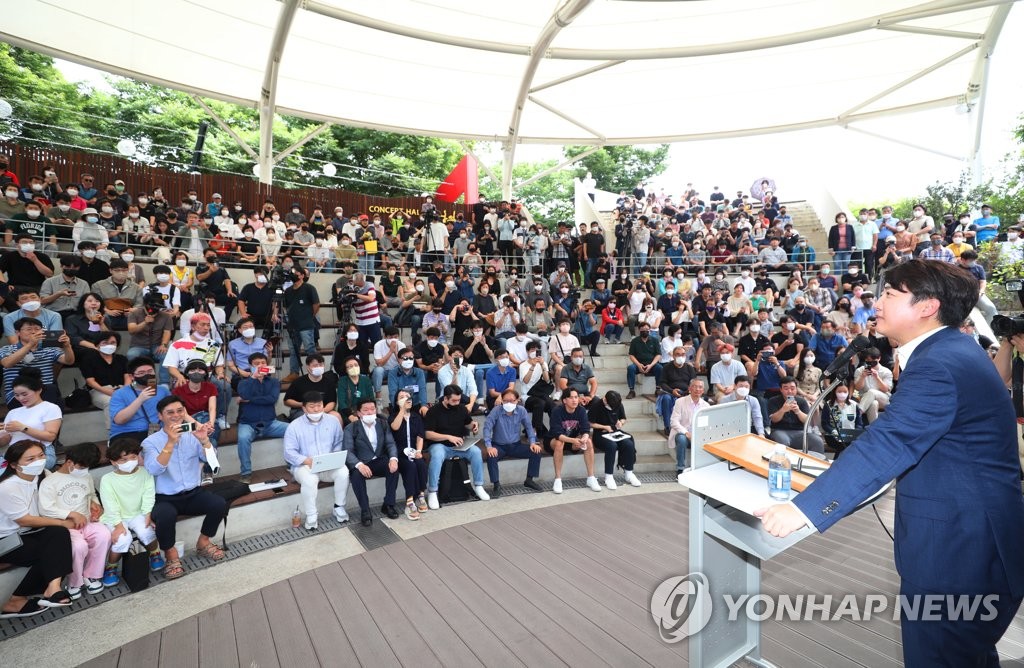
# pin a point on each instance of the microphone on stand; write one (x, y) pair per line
(840, 364)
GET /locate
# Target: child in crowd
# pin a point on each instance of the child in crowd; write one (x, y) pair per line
(69, 494)
(128, 494)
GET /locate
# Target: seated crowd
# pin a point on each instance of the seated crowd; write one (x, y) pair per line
(500, 315)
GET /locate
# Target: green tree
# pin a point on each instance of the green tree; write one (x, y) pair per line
(618, 168)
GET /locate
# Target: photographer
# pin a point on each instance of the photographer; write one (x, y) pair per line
(301, 304)
(1009, 361)
(149, 328)
(217, 282)
(28, 351)
(367, 312)
(254, 300)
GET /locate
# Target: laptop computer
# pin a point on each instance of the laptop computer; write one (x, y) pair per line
(329, 461)
(467, 443)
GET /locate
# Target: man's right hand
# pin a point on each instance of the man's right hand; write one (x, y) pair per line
(146, 394)
(492, 452)
(455, 440)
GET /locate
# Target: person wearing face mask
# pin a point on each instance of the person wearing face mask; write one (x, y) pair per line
(257, 417)
(840, 414)
(958, 244)
(353, 387)
(826, 345)
(372, 452)
(24, 267)
(120, 294)
(69, 493)
(725, 371)
(11, 205)
(936, 251)
(431, 353)
(350, 345)
(105, 371)
(456, 372)
(200, 398)
(132, 409)
(192, 239)
(503, 430)
(301, 303)
(255, 299)
(45, 541)
(446, 425)
(30, 306)
(128, 492)
(741, 392)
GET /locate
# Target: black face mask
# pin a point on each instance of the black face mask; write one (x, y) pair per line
(68, 271)
(112, 193)
(800, 307)
(142, 381)
(644, 335)
(197, 377)
(871, 363)
(3, 166)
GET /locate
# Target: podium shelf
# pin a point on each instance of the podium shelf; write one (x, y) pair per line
(747, 451)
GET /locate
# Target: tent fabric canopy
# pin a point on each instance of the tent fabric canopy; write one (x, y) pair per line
(541, 71)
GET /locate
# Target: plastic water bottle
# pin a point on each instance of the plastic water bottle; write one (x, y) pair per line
(296, 518)
(779, 474)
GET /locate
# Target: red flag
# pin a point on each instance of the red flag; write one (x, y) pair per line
(464, 179)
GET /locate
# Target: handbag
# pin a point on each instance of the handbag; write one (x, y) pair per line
(135, 567)
(79, 399)
(229, 490)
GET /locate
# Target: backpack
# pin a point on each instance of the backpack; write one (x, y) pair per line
(455, 483)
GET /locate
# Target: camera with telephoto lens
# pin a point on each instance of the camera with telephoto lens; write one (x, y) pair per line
(278, 277)
(153, 301)
(345, 296)
(1005, 327)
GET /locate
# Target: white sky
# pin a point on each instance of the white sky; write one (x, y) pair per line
(860, 167)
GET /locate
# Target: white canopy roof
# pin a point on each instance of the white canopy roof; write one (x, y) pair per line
(539, 71)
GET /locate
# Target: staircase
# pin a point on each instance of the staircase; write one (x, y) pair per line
(808, 224)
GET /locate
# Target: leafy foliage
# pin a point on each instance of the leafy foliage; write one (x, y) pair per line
(618, 168)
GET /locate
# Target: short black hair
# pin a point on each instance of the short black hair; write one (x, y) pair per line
(167, 401)
(312, 397)
(954, 287)
(121, 446)
(452, 391)
(786, 380)
(365, 400)
(314, 357)
(257, 356)
(83, 454)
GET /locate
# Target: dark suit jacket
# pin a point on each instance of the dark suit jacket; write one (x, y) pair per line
(359, 447)
(833, 237)
(950, 437)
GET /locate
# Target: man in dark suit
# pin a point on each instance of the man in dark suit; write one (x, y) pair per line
(949, 437)
(372, 452)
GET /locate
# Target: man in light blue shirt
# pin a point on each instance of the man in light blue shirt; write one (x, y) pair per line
(31, 307)
(988, 225)
(174, 458)
(406, 376)
(315, 433)
(456, 373)
(503, 438)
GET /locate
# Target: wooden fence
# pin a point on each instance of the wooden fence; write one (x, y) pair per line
(27, 161)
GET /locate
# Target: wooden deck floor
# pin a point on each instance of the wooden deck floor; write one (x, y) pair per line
(565, 585)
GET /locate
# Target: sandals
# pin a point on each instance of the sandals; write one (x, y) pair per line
(210, 551)
(173, 569)
(31, 607)
(59, 599)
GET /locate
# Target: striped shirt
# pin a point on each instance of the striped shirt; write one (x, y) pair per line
(366, 313)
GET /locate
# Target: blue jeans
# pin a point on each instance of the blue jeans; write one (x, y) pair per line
(682, 445)
(639, 260)
(247, 433)
(663, 406)
(840, 262)
(366, 263)
(591, 266)
(304, 339)
(612, 330)
(161, 371)
(439, 452)
(513, 451)
(479, 371)
(632, 370)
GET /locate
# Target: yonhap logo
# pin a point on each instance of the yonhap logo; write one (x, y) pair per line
(673, 606)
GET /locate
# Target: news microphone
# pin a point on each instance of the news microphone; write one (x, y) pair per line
(839, 364)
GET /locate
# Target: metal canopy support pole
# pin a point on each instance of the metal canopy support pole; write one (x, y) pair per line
(576, 75)
(562, 17)
(268, 93)
(559, 166)
(487, 170)
(979, 86)
(227, 128)
(565, 117)
(977, 172)
(315, 132)
(903, 142)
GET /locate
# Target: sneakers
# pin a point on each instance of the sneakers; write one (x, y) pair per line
(111, 578)
(609, 482)
(411, 513)
(93, 586)
(156, 563)
(496, 490)
(593, 484)
(530, 483)
(74, 593)
(481, 493)
(432, 501)
(421, 503)
(245, 479)
(207, 479)
(632, 479)
(311, 523)
(222, 422)
(556, 486)
(341, 516)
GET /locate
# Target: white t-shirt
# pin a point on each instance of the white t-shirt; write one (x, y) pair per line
(33, 418)
(185, 324)
(17, 498)
(380, 349)
(62, 493)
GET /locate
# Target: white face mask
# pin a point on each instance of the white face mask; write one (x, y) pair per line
(26, 248)
(407, 364)
(180, 263)
(315, 417)
(368, 420)
(352, 336)
(64, 207)
(809, 359)
(841, 396)
(726, 357)
(74, 193)
(162, 278)
(449, 284)
(35, 468)
(742, 392)
(791, 326)
(107, 209)
(917, 214)
(432, 343)
(79, 473)
(261, 279)
(316, 371)
(11, 194)
(128, 466)
(32, 213)
(249, 332)
(108, 349)
(127, 257)
(680, 360)
(503, 362)
(577, 361)
(509, 406)
(31, 306)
